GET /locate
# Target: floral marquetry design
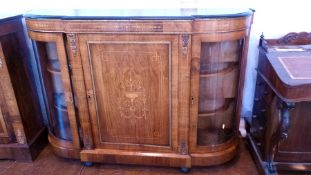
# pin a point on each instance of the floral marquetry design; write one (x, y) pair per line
(132, 100)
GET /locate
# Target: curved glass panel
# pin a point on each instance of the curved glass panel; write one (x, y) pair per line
(219, 71)
(54, 89)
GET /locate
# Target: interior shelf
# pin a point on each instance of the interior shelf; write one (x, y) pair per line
(53, 71)
(213, 136)
(222, 72)
(226, 108)
(211, 68)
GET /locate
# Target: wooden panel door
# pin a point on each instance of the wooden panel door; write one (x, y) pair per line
(131, 83)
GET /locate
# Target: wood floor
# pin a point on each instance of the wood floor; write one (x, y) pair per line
(48, 164)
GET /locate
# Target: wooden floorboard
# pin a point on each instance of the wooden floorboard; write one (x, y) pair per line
(48, 164)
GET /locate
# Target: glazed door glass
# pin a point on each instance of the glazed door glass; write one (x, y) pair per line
(54, 89)
(218, 82)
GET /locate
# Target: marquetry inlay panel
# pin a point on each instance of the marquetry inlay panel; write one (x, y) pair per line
(132, 82)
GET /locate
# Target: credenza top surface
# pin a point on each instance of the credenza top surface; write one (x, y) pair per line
(138, 14)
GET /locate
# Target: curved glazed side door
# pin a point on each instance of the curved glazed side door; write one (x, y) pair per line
(55, 72)
(216, 61)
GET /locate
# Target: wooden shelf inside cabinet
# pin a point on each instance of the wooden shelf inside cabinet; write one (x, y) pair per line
(53, 71)
(61, 108)
(221, 73)
(216, 67)
(131, 83)
(227, 108)
(215, 127)
(213, 136)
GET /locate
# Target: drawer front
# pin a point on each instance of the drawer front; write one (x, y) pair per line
(133, 79)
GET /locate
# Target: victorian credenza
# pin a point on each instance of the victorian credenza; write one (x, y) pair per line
(153, 87)
(280, 126)
(22, 132)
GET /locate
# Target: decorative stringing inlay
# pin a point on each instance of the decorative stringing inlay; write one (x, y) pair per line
(118, 27)
(41, 25)
(297, 67)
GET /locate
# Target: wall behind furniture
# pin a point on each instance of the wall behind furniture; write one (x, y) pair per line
(274, 18)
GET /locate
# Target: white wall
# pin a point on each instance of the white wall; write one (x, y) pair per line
(274, 18)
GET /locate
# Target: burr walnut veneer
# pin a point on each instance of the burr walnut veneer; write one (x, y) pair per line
(154, 87)
(22, 132)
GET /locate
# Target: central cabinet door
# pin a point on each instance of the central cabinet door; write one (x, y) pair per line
(131, 82)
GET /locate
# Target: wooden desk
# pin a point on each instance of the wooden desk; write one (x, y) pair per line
(279, 131)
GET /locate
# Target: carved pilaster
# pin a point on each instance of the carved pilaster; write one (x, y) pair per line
(183, 149)
(90, 94)
(87, 142)
(185, 43)
(73, 43)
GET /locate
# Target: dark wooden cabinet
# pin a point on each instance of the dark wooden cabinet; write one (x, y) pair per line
(22, 132)
(155, 89)
(279, 131)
